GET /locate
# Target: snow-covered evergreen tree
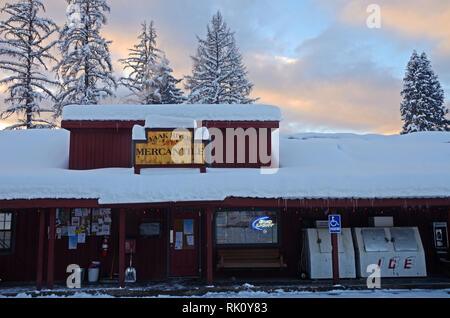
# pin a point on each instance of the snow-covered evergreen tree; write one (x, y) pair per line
(140, 63)
(218, 75)
(150, 80)
(85, 70)
(25, 47)
(422, 108)
(170, 93)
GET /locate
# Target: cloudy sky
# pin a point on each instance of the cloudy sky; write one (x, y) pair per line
(316, 59)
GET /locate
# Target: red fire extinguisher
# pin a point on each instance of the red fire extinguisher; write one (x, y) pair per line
(105, 246)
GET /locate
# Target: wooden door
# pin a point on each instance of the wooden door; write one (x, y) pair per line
(184, 237)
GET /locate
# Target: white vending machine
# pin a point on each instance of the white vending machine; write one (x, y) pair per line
(397, 250)
(319, 263)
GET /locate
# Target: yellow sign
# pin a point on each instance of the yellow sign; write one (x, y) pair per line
(168, 148)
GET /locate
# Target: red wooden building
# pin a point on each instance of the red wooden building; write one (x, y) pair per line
(190, 224)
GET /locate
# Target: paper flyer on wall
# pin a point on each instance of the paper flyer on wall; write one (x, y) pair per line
(81, 238)
(73, 242)
(78, 212)
(71, 230)
(85, 212)
(179, 240)
(75, 221)
(190, 240)
(105, 229)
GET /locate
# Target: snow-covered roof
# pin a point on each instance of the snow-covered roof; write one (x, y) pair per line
(234, 112)
(311, 166)
(34, 149)
(157, 121)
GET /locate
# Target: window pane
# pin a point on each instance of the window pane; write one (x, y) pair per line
(5, 221)
(375, 240)
(5, 239)
(246, 227)
(404, 239)
(325, 241)
(3, 244)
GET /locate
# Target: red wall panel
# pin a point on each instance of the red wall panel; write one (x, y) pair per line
(21, 265)
(100, 148)
(95, 145)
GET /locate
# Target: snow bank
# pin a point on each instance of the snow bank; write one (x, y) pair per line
(34, 148)
(235, 112)
(312, 166)
(277, 293)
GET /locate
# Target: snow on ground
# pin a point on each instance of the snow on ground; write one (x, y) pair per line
(75, 295)
(277, 293)
(312, 166)
(280, 293)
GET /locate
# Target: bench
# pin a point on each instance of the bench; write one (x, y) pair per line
(250, 258)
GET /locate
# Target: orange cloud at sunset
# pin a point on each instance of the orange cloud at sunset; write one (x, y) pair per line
(429, 18)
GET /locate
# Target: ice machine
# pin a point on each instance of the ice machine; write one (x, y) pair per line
(319, 263)
(397, 250)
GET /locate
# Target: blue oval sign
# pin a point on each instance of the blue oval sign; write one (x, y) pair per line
(262, 223)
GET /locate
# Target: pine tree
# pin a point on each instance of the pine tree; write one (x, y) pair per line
(422, 108)
(150, 79)
(170, 93)
(25, 47)
(85, 70)
(218, 76)
(140, 62)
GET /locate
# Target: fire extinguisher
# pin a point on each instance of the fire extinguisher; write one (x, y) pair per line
(105, 246)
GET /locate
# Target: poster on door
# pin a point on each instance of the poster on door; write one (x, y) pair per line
(179, 240)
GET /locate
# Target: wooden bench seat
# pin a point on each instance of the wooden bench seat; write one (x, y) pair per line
(250, 258)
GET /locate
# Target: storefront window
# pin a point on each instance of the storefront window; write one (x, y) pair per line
(246, 227)
(5, 231)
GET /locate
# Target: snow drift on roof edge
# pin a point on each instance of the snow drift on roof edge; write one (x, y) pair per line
(232, 112)
(34, 148)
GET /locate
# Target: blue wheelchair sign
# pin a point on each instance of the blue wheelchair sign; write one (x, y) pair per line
(334, 223)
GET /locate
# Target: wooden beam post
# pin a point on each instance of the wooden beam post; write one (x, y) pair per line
(448, 226)
(335, 258)
(51, 249)
(122, 227)
(209, 246)
(40, 256)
